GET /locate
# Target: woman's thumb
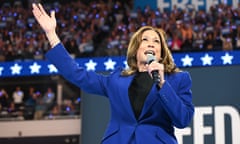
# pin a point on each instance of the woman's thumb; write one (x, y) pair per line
(53, 14)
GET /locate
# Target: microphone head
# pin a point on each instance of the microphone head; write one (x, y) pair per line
(150, 58)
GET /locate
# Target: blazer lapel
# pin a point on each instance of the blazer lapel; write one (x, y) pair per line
(126, 100)
(151, 98)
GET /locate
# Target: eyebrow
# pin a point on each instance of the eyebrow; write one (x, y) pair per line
(145, 36)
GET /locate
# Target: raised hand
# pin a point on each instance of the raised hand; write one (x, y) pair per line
(47, 22)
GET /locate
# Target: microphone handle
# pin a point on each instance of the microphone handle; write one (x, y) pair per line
(156, 77)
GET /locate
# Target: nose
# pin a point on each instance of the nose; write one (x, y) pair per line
(150, 46)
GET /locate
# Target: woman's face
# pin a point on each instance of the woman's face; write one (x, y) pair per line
(150, 43)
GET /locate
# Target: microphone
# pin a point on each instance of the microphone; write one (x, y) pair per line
(155, 75)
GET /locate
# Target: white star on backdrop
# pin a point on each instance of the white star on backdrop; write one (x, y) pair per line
(91, 65)
(16, 69)
(35, 68)
(126, 65)
(52, 68)
(207, 60)
(187, 61)
(1, 69)
(227, 59)
(109, 65)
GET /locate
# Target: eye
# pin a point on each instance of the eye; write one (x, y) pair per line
(157, 41)
(144, 39)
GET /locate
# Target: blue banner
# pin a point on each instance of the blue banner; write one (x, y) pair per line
(168, 5)
(100, 64)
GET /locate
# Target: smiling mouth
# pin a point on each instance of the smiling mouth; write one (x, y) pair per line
(149, 52)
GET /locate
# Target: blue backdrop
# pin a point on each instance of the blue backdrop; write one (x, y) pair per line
(100, 64)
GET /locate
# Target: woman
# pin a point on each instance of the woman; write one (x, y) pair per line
(142, 111)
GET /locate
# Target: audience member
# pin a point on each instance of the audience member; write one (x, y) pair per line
(176, 43)
(4, 100)
(39, 107)
(30, 103)
(48, 98)
(44, 103)
(18, 96)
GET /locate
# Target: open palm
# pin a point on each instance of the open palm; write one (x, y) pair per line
(47, 22)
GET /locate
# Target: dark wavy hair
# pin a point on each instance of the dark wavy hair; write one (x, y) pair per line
(135, 41)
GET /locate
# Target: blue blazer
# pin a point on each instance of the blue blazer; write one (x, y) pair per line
(164, 109)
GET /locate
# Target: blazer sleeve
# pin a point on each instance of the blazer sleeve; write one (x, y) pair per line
(177, 100)
(89, 81)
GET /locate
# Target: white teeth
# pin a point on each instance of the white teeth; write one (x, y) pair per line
(149, 52)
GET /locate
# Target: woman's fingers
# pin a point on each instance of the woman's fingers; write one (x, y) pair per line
(46, 21)
(38, 11)
(42, 9)
(35, 10)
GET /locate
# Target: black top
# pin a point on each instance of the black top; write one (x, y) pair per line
(138, 91)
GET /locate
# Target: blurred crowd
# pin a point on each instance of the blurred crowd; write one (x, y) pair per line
(34, 104)
(104, 27)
